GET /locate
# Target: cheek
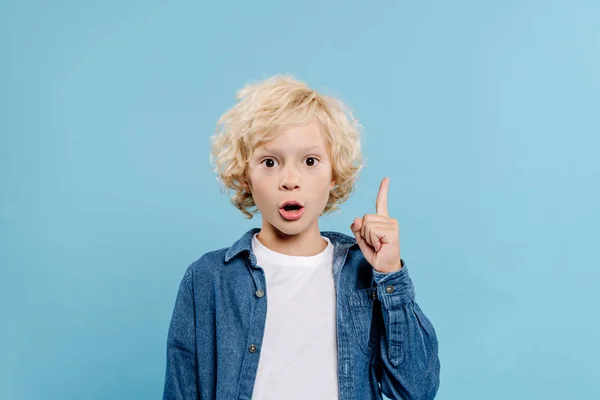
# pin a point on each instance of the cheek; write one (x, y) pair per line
(325, 177)
(259, 187)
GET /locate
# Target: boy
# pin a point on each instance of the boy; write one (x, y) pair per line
(287, 311)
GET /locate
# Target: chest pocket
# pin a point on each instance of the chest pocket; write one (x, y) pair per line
(361, 310)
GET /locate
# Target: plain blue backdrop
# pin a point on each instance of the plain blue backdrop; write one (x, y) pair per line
(485, 116)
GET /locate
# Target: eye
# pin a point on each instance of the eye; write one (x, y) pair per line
(312, 158)
(268, 159)
(270, 162)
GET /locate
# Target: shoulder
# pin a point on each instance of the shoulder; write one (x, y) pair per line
(339, 237)
(210, 266)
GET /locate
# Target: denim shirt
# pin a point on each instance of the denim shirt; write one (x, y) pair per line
(385, 343)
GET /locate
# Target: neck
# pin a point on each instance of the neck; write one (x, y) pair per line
(307, 243)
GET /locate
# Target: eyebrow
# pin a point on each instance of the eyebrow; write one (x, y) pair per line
(301, 150)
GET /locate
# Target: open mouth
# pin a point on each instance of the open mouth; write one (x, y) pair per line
(291, 212)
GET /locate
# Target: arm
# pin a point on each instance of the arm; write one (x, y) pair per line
(408, 367)
(181, 376)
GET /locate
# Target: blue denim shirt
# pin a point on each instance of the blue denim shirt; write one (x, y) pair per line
(386, 344)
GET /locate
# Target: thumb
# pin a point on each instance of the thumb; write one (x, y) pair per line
(356, 226)
(365, 248)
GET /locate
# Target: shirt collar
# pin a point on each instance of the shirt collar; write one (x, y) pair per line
(245, 242)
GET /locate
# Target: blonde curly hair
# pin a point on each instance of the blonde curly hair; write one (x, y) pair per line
(262, 109)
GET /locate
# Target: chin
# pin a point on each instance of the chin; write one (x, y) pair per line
(289, 228)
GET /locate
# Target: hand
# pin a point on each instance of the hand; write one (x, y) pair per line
(378, 235)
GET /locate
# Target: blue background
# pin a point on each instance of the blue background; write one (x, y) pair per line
(485, 115)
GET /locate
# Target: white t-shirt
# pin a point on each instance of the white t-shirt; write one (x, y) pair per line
(298, 359)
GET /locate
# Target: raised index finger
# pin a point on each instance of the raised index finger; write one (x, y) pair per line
(381, 205)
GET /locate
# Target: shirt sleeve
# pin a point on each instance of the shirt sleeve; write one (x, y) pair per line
(408, 365)
(181, 370)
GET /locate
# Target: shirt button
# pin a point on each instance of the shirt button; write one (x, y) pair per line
(390, 289)
(259, 293)
(252, 348)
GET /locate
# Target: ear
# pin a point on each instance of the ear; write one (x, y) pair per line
(247, 186)
(245, 182)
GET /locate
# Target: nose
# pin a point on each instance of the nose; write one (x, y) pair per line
(290, 180)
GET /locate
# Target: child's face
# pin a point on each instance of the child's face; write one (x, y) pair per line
(284, 169)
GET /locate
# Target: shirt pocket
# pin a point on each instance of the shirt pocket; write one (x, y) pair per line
(361, 311)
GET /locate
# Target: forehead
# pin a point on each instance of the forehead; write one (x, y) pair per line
(295, 138)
